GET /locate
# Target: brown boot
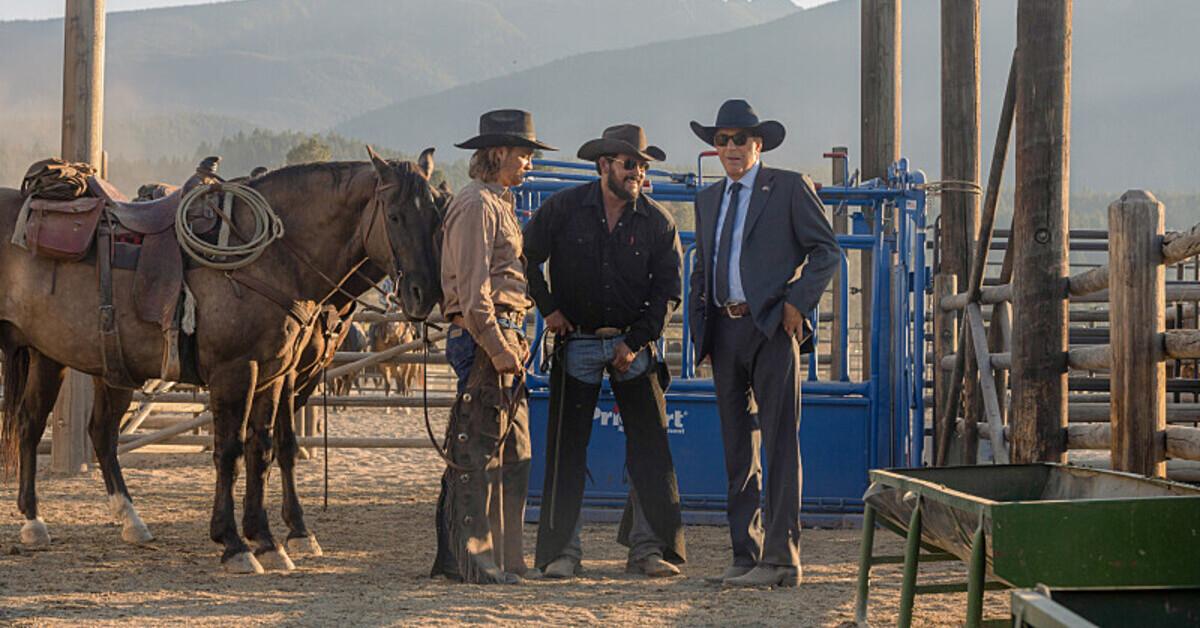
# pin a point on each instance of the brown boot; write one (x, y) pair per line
(652, 566)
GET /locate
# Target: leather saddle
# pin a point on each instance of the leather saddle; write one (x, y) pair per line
(141, 235)
(134, 235)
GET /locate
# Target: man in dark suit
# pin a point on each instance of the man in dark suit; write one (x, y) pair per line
(764, 255)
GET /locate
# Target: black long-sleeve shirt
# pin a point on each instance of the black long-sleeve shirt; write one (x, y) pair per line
(629, 277)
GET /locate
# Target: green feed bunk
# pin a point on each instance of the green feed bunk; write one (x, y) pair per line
(1176, 607)
(1028, 524)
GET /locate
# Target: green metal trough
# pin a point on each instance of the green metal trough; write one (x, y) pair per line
(1022, 525)
(1176, 607)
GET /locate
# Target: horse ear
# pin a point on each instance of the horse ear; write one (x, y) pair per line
(425, 163)
(381, 166)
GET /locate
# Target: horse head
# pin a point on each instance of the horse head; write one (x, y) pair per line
(412, 221)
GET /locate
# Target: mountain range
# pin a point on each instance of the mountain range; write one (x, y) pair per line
(1135, 85)
(411, 73)
(308, 64)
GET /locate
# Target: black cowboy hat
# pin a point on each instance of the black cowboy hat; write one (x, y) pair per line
(505, 127)
(622, 139)
(738, 114)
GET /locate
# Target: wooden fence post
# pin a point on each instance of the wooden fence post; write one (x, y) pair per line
(945, 342)
(82, 140)
(880, 126)
(841, 225)
(1038, 418)
(1137, 296)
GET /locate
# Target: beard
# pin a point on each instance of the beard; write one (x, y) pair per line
(616, 185)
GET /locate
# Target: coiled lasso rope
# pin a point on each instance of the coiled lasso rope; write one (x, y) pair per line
(267, 228)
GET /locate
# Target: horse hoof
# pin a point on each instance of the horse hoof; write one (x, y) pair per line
(133, 530)
(244, 562)
(276, 560)
(34, 532)
(137, 534)
(304, 546)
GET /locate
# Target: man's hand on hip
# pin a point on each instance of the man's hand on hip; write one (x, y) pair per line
(793, 321)
(623, 357)
(558, 323)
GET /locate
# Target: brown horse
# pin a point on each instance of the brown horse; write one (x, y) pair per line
(334, 215)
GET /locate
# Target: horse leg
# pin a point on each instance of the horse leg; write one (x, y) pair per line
(300, 540)
(259, 454)
(109, 406)
(386, 374)
(42, 379)
(231, 393)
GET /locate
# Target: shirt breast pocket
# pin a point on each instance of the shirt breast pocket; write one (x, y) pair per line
(634, 258)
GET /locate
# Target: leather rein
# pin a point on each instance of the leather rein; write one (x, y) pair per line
(291, 306)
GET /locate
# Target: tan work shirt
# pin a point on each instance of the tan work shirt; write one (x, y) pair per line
(482, 269)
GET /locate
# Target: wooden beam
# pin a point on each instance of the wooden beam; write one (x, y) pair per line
(945, 345)
(841, 225)
(1039, 373)
(987, 386)
(950, 403)
(167, 432)
(82, 140)
(960, 135)
(381, 356)
(1183, 442)
(1137, 308)
(880, 125)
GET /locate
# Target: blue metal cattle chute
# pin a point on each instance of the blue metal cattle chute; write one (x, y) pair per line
(847, 427)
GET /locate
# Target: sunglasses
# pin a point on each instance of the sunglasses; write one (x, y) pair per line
(738, 139)
(630, 163)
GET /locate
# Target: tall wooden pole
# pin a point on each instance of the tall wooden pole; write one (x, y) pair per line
(1137, 320)
(880, 130)
(841, 225)
(82, 140)
(1039, 369)
(960, 164)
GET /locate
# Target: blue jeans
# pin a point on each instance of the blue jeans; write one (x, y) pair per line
(460, 353)
(589, 357)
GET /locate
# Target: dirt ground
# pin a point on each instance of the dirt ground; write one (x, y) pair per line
(378, 538)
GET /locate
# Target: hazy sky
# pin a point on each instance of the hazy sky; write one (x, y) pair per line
(41, 9)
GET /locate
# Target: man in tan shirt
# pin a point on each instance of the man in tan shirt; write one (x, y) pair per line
(482, 505)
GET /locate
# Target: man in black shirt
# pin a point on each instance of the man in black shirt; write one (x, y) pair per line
(616, 270)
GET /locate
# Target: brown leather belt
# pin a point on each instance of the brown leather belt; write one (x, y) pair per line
(512, 316)
(734, 310)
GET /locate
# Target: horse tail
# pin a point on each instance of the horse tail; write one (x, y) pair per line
(16, 371)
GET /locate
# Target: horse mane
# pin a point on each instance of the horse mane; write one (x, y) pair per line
(342, 172)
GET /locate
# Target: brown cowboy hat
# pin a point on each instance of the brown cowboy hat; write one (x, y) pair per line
(739, 114)
(622, 139)
(505, 127)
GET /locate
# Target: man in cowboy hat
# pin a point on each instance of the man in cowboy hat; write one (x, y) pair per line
(615, 270)
(764, 254)
(482, 505)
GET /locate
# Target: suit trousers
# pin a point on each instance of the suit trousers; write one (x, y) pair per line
(757, 381)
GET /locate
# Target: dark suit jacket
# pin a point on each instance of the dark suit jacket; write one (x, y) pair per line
(788, 252)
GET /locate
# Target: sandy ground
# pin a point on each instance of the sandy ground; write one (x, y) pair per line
(378, 538)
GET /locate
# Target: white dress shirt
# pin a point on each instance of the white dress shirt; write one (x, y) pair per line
(736, 293)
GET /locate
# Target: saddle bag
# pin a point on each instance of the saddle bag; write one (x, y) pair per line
(62, 230)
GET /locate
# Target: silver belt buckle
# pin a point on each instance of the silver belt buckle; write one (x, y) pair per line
(728, 307)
